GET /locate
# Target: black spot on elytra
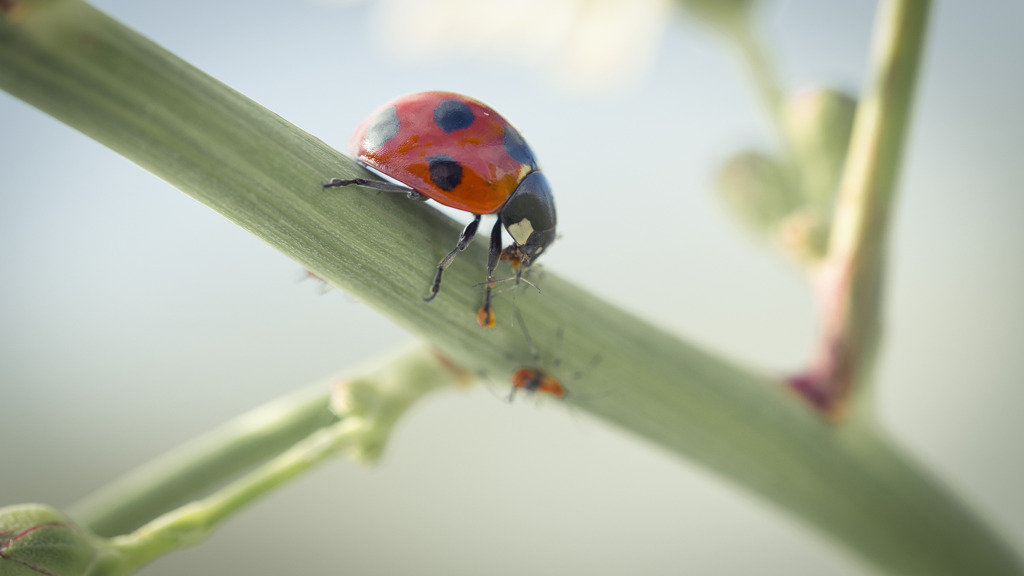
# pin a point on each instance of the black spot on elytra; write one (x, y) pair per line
(452, 115)
(516, 147)
(383, 128)
(445, 172)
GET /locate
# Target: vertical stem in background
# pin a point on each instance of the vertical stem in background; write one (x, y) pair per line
(849, 282)
(755, 56)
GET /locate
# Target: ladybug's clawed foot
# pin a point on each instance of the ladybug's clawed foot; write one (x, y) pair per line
(435, 286)
(485, 316)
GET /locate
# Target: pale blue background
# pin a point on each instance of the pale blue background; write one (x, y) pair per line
(133, 318)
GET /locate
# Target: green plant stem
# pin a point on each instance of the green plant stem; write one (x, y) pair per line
(366, 409)
(87, 70)
(197, 466)
(755, 56)
(849, 283)
(191, 523)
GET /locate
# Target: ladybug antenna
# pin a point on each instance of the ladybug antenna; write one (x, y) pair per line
(528, 283)
(515, 292)
(501, 280)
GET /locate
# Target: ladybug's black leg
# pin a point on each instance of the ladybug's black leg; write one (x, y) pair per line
(464, 239)
(492, 263)
(379, 185)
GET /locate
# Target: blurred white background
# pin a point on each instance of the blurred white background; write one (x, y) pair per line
(132, 318)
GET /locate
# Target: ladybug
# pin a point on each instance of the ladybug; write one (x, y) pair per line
(460, 153)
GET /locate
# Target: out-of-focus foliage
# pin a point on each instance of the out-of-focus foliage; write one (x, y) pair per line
(789, 196)
(36, 539)
(721, 14)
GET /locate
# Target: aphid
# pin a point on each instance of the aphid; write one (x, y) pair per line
(536, 380)
(532, 378)
(461, 153)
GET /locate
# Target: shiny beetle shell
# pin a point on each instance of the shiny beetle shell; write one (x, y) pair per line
(449, 147)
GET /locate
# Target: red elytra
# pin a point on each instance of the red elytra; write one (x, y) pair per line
(461, 153)
(407, 136)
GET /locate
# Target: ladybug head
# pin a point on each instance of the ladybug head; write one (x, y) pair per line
(529, 216)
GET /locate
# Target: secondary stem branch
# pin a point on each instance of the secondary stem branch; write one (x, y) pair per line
(367, 408)
(197, 466)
